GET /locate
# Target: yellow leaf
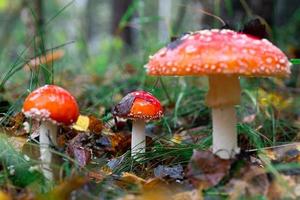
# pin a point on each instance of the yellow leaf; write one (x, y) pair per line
(273, 99)
(3, 195)
(177, 138)
(82, 123)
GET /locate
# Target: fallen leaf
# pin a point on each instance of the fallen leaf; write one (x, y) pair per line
(174, 172)
(16, 122)
(17, 142)
(82, 123)
(285, 153)
(5, 196)
(88, 123)
(277, 101)
(76, 149)
(64, 189)
(206, 169)
(95, 125)
(114, 143)
(128, 180)
(250, 181)
(289, 190)
(96, 176)
(115, 162)
(188, 195)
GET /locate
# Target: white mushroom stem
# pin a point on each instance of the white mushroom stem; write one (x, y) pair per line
(223, 95)
(138, 138)
(48, 133)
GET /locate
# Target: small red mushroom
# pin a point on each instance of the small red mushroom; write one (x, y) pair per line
(222, 55)
(51, 105)
(140, 106)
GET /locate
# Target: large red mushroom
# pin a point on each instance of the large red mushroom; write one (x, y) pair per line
(51, 105)
(139, 106)
(222, 55)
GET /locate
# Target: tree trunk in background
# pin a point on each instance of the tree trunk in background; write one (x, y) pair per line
(91, 32)
(164, 24)
(119, 8)
(46, 72)
(39, 25)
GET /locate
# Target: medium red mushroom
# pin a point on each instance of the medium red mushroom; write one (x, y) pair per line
(140, 106)
(222, 55)
(51, 105)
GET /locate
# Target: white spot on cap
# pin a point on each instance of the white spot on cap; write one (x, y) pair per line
(257, 42)
(278, 66)
(207, 39)
(169, 63)
(269, 60)
(252, 51)
(245, 51)
(191, 37)
(282, 61)
(190, 49)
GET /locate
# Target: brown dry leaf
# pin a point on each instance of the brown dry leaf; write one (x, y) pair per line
(152, 189)
(132, 179)
(285, 153)
(151, 183)
(156, 188)
(280, 191)
(64, 189)
(95, 125)
(16, 122)
(251, 181)
(17, 142)
(76, 149)
(115, 143)
(96, 176)
(188, 195)
(206, 169)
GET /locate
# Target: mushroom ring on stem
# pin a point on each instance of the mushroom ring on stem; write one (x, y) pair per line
(51, 105)
(222, 55)
(140, 106)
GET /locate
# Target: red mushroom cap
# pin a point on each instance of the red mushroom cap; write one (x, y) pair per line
(52, 103)
(216, 51)
(139, 105)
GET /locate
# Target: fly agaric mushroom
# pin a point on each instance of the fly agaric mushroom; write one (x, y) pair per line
(139, 106)
(52, 105)
(222, 55)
